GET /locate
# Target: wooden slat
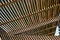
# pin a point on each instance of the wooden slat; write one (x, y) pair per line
(39, 32)
(29, 15)
(35, 26)
(13, 1)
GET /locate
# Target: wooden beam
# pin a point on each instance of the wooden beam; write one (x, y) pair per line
(34, 26)
(52, 33)
(29, 15)
(13, 1)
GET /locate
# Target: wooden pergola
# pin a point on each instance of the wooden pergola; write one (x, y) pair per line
(29, 17)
